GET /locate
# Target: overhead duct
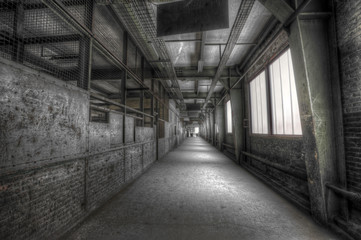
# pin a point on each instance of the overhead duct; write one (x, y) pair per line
(191, 16)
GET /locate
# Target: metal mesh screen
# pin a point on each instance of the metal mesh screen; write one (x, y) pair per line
(106, 77)
(108, 30)
(81, 42)
(35, 36)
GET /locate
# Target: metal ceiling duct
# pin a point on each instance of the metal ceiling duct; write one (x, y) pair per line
(139, 20)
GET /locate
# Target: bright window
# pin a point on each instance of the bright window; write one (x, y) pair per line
(282, 96)
(285, 112)
(259, 111)
(196, 130)
(229, 117)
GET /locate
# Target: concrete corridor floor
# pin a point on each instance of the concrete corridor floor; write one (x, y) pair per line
(195, 192)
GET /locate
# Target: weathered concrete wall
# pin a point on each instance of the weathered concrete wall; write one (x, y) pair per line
(40, 117)
(129, 129)
(56, 166)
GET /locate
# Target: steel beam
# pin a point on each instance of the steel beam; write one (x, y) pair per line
(11, 40)
(85, 49)
(18, 29)
(310, 54)
(11, 6)
(221, 125)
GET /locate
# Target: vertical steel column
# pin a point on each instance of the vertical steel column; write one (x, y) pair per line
(18, 44)
(157, 123)
(310, 54)
(221, 125)
(123, 90)
(85, 49)
(142, 91)
(237, 118)
(152, 104)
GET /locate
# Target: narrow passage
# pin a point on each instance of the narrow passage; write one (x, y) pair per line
(196, 192)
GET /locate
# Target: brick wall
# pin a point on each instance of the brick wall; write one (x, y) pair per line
(40, 201)
(56, 166)
(286, 152)
(348, 24)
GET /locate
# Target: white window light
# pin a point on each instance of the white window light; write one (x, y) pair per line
(229, 117)
(259, 112)
(285, 111)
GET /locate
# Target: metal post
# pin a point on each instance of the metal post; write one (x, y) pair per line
(142, 91)
(123, 90)
(85, 49)
(18, 44)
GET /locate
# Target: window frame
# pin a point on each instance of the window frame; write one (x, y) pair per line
(270, 133)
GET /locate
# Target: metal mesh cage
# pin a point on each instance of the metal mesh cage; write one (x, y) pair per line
(81, 42)
(106, 77)
(108, 30)
(32, 34)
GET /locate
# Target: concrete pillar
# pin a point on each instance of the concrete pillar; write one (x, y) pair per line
(310, 55)
(220, 124)
(237, 118)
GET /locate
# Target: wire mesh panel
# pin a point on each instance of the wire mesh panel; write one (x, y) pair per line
(32, 34)
(148, 109)
(106, 77)
(108, 30)
(81, 10)
(134, 97)
(6, 31)
(105, 87)
(131, 55)
(81, 42)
